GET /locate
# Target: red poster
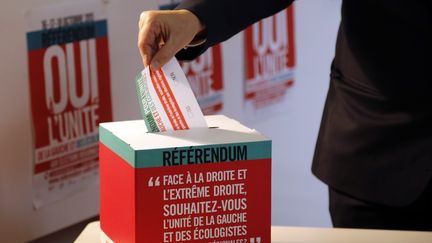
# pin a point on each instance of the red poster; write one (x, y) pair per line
(70, 95)
(270, 60)
(206, 80)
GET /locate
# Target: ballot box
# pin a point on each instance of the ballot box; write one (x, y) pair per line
(199, 185)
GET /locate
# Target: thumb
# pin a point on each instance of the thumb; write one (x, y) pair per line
(164, 54)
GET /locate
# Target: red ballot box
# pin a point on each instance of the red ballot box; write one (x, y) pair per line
(199, 185)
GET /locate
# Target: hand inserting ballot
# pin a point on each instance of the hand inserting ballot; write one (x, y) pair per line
(163, 33)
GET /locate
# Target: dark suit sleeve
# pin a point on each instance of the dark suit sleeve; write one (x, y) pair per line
(225, 18)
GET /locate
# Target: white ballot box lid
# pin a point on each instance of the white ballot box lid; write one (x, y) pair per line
(221, 130)
(279, 234)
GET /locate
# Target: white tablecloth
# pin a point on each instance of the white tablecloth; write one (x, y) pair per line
(91, 234)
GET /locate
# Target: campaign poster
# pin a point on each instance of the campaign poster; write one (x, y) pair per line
(69, 79)
(204, 73)
(269, 61)
(205, 77)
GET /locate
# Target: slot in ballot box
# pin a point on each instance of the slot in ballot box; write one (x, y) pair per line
(198, 185)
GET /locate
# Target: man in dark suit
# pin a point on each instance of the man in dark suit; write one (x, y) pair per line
(374, 148)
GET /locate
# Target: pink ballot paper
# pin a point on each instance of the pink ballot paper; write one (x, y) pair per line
(166, 99)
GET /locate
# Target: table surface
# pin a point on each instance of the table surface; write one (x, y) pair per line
(282, 234)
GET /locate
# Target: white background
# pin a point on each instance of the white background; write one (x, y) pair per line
(298, 198)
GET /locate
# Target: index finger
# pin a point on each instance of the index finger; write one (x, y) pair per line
(147, 40)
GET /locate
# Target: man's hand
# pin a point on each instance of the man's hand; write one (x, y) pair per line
(163, 33)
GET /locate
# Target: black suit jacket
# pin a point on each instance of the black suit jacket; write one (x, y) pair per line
(375, 140)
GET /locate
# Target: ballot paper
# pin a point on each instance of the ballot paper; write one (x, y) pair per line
(166, 99)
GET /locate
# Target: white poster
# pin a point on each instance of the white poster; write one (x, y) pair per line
(269, 62)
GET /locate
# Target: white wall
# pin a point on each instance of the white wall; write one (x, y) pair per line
(298, 198)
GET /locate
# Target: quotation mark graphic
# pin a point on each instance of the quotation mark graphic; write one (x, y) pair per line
(155, 183)
(255, 240)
